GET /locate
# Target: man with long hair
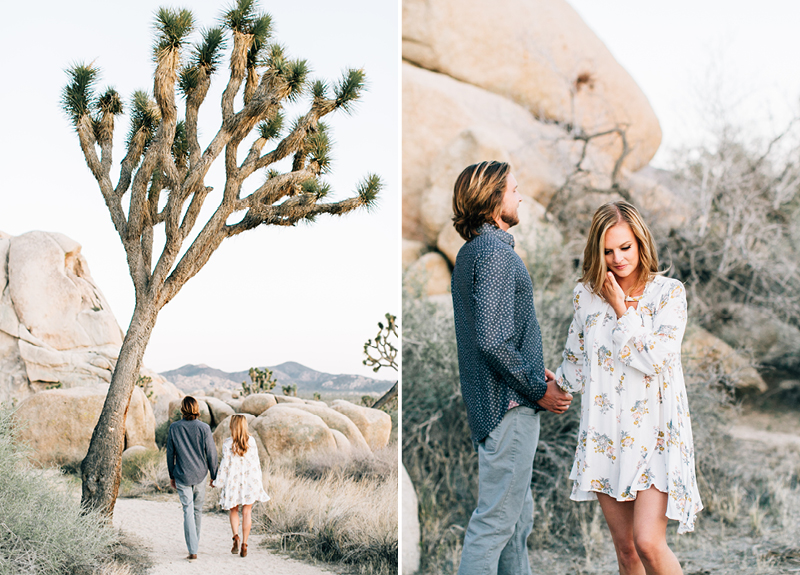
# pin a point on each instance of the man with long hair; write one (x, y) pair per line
(191, 455)
(503, 380)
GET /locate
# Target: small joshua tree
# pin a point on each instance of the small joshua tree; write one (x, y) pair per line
(163, 173)
(260, 381)
(290, 389)
(383, 353)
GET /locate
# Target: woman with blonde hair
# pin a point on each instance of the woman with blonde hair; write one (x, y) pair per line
(623, 353)
(239, 480)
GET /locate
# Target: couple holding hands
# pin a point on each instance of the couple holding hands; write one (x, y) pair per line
(623, 353)
(192, 454)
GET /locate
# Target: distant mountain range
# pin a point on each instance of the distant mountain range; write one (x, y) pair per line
(193, 377)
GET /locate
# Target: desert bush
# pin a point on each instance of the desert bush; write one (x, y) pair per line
(162, 432)
(331, 516)
(145, 473)
(42, 528)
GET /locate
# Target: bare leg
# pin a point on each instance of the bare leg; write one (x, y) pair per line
(233, 515)
(246, 522)
(620, 519)
(650, 533)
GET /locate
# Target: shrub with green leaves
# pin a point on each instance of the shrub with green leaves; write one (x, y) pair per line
(42, 529)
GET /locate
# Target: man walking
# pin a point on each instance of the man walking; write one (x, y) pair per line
(503, 380)
(191, 454)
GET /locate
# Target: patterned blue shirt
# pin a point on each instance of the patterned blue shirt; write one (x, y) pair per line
(500, 356)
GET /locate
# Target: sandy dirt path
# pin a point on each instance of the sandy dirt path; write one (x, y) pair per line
(159, 524)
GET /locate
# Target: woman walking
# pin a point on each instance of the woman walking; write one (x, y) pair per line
(239, 480)
(623, 352)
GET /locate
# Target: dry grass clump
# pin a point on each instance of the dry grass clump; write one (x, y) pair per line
(145, 473)
(347, 514)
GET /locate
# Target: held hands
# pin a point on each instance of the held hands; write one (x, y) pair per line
(554, 399)
(614, 295)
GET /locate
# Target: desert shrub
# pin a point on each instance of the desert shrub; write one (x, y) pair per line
(162, 432)
(331, 516)
(42, 528)
(358, 466)
(144, 473)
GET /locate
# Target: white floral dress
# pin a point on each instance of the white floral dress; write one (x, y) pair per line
(635, 430)
(239, 477)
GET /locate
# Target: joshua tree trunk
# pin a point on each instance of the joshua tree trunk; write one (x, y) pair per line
(101, 468)
(164, 169)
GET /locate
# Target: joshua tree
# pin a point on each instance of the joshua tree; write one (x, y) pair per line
(164, 168)
(262, 381)
(385, 355)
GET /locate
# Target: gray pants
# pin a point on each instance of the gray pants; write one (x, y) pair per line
(192, 498)
(495, 539)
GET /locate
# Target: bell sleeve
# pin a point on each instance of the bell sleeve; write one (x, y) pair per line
(569, 375)
(224, 466)
(653, 351)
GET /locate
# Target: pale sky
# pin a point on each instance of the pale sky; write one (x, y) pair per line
(691, 56)
(311, 294)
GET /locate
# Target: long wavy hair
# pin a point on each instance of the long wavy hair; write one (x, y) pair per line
(594, 261)
(239, 434)
(478, 196)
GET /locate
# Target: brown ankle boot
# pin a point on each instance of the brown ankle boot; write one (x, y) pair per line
(243, 553)
(235, 548)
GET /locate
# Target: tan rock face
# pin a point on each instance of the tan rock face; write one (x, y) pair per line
(57, 424)
(539, 54)
(374, 424)
(706, 351)
(56, 327)
(448, 125)
(288, 399)
(219, 410)
(412, 251)
(336, 421)
(258, 403)
(430, 273)
(223, 432)
(291, 431)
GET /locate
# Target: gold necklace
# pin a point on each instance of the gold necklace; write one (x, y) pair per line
(634, 298)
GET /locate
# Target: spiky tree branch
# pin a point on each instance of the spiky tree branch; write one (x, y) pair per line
(163, 173)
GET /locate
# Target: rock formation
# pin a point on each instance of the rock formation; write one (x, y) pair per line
(57, 424)
(56, 327)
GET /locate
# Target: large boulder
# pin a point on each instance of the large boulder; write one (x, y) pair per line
(257, 403)
(288, 399)
(703, 352)
(291, 431)
(772, 341)
(375, 425)
(57, 424)
(448, 124)
(223, 432)
(411, 532)
(336, 421)
(219, 410)
(539, 54)
(430, 274)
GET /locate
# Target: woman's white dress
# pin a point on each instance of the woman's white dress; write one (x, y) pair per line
(635, 430)
(239, 477)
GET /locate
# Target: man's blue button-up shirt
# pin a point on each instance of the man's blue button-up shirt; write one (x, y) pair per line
(500, 356)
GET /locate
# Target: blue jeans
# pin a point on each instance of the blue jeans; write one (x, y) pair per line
(192, 498)
(494, 543)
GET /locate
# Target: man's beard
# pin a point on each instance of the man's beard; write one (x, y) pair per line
(511, 219)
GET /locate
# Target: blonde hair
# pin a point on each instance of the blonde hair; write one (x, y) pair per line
(478, 196)
(190, 409)
(594, 261)
(239, 434)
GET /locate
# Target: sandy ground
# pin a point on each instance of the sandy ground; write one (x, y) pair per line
(159, 524)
